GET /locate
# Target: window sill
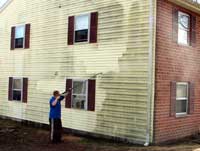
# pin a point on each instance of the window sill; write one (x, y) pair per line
(17, 102)
(183, 45)
(18, 49)
(181, 115)
(81, 43)
(78, 110)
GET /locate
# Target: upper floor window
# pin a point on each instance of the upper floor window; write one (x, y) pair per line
(183, 28)
(20, 37)
(82, 28)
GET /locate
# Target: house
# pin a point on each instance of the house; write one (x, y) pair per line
(133, 66)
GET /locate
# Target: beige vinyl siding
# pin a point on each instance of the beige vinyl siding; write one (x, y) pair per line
(121, 56)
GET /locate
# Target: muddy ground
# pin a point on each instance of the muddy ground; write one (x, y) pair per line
(17, 137)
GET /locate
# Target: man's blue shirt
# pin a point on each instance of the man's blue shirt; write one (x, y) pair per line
(55, 111)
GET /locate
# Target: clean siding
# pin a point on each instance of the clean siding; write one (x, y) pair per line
(121, 55)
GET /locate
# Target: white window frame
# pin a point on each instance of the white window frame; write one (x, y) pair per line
(16, 78)
(86, 95)
(89, 24)
(183, 98)
(188, 31)
(23, 37)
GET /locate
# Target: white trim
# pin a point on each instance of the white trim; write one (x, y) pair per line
(89, 24)
(181, 98)
(182, 83)
(151, 49)
(183, 114)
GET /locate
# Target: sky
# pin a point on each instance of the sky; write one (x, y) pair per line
(2, 2)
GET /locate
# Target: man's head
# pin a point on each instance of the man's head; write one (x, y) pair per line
(56, 93)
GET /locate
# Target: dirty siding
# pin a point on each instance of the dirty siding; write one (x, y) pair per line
(121, 55)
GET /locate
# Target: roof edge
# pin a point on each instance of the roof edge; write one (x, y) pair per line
(5, 5)
(193, 6)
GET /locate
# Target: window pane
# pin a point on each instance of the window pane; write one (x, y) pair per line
(19, 32)
(181, 91)
(181, 106)
(19, 43)
(17, 84)
(81, 35)
(78, 102)
(17, 95)
(184, 22)
(183, 36)
(82, 22)
(79, 87)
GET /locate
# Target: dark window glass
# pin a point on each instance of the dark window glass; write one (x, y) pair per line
(19, 42)
(16, 95)
(181, 106)
(81, 35)
(79, 101)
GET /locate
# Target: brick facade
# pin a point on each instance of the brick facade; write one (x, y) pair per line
(179, 63)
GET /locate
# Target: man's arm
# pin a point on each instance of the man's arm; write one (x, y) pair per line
(64, 94)
(55, 102)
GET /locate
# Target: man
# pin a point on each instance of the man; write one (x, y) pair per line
(55, 116)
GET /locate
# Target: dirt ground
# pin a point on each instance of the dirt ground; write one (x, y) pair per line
(15, 137)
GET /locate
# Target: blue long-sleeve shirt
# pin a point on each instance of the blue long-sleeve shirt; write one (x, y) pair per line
(55, 111)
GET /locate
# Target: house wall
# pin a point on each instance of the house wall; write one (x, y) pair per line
(121, 55)
(174, 62)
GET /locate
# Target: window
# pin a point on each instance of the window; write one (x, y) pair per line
(183, 28)
(82, 28)
(19, 36)
(79, 94)
(182, 95)
(18, 89)
(181, 98)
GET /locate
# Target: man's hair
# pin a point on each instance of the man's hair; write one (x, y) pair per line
(55, 93)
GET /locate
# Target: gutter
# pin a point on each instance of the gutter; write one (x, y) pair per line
(150, 70)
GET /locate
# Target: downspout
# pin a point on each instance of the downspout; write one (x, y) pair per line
(150, 70)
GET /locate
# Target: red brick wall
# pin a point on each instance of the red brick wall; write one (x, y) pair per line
(174, 63)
